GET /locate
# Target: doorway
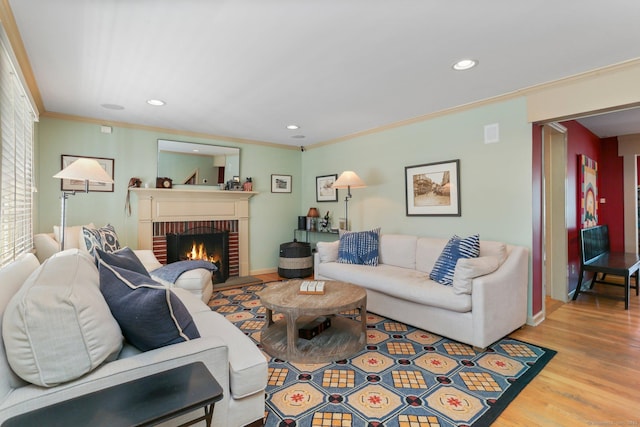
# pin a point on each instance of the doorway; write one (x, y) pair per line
(555, 248)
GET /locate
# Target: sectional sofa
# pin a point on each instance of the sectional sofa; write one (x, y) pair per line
(60, 340)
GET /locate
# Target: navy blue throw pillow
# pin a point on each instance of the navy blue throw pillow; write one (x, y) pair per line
(149, 314)
(456, 248)
(124, 258)
(359, 247)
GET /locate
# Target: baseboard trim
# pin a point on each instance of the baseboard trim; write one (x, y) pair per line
(536, 319)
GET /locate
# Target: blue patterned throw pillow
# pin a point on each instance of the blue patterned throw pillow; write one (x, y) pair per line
(359, 247)
(104, 238)
(456, 248)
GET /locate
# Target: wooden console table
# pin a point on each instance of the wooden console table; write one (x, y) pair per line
(343, 339)
(141, 402)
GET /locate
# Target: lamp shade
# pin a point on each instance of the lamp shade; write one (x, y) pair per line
(313, 213)
(349, 179)
(85, 169)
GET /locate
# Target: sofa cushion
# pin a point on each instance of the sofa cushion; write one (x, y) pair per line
(469, 268)
(148, 313)
(428, 249)
(123, 258)
(398, 250)
(402, 283)
(496, 249)
(247, 365)
(104, 238)
(58, 327)
(73, 238)
(456, 248)
(359, 247)
(328, 251)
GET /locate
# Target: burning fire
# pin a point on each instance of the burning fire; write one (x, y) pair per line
(199, 252)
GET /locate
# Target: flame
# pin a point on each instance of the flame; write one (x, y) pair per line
(199, 252)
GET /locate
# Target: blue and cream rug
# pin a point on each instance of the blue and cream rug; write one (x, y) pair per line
(405, 377)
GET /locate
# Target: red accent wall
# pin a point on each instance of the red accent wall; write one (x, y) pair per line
(611, 188)
(580, 140)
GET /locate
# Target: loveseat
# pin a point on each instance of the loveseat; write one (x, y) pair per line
(197, 281)
(60, 340)
(486, 300)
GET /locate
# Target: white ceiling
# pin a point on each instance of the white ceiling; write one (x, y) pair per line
(247, 68)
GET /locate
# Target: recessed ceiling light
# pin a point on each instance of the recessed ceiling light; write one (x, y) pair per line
(465, 64)
(112, 106)
(155, 102)
(293, 127)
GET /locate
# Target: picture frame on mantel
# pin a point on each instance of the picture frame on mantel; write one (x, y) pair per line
(78, 185)
(324, 190)
(433, 189)
(280, 183)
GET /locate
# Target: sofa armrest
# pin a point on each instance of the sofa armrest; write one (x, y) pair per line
(46, 245)
(499, 299)
(148, 259)
(212, 351)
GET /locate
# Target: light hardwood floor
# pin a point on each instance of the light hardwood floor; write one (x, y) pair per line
(594, 380)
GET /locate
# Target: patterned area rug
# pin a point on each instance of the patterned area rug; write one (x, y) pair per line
(405, 377)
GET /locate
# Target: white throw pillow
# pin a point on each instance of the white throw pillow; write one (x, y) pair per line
(468, 269)
(73, 237)
(58, 326)
(328, 251)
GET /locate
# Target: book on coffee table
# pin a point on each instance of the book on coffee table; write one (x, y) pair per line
(312, 287)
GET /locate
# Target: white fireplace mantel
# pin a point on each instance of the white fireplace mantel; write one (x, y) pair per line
(185, 204)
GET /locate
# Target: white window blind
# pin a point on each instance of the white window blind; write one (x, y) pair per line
(16, 168)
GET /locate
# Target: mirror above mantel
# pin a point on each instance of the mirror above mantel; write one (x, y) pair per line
(191, 163)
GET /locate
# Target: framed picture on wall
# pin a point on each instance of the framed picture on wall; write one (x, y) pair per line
(433, 189)
(78, 185)
(324, 190)
(280, 183)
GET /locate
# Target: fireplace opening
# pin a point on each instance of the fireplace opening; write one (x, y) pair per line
(201, 244)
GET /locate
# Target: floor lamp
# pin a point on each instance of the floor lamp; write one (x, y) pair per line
(348, 180)
(83, 169)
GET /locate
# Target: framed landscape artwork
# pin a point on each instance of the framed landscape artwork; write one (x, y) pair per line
(280, 183)
(324, 191)
(433, 189)
(78, 185)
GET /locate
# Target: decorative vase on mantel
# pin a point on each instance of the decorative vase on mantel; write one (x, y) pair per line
(248, 184)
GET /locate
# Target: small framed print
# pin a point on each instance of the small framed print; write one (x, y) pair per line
(280, 183)
(324, 190)
(78, 185)
(433, 189)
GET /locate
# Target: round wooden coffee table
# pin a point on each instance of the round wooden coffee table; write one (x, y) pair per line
(342, 339)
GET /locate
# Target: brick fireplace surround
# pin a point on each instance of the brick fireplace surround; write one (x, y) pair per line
(169, 210)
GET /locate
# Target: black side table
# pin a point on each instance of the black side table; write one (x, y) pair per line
(142, 402)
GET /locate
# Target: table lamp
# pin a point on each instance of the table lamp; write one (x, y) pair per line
(312, 215)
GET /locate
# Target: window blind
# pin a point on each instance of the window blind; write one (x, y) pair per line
(16, 167)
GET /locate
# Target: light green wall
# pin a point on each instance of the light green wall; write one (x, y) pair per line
(134, 151)
(495, 179)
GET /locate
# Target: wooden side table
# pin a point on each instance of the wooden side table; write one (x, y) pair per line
(343, 339)
(142, 402)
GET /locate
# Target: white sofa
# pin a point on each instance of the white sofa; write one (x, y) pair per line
(233, 359)
(480, 307)
(197, 281)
